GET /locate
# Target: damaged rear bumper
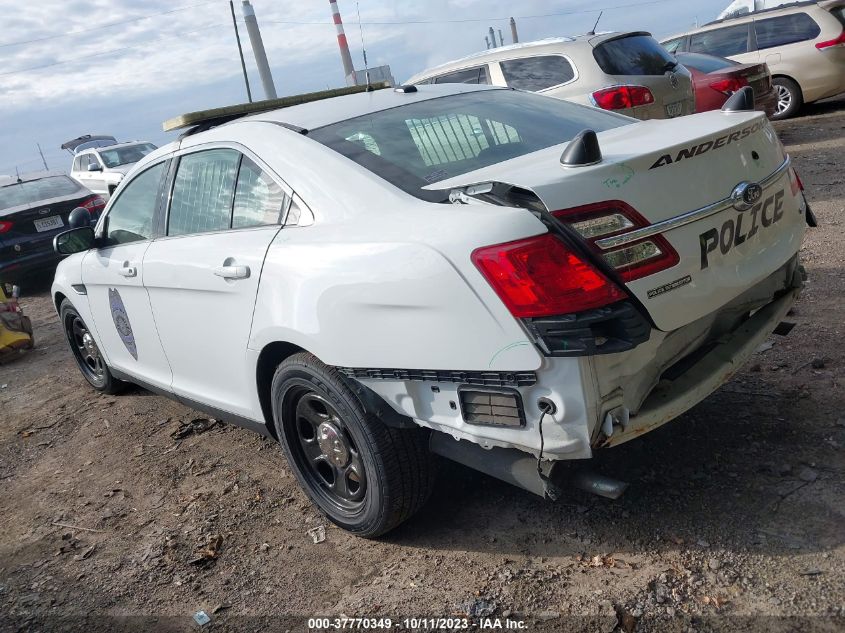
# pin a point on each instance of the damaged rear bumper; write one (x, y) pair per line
(670, 399)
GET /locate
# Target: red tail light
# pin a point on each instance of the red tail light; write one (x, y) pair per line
(94, 204)
(633, 260)
(5, 226)
(729, 86)
(622, 97)
(539, 276)
(795, 182)
(839, 41)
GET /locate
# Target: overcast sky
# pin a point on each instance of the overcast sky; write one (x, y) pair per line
(121, 67)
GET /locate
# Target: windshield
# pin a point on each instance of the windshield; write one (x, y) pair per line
(125, 155)
(421, 143)
(32, 191)
(705, 63)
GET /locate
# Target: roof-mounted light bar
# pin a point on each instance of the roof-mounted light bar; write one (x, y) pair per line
(216, 116)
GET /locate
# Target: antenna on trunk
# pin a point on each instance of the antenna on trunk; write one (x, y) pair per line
(363, 48)
(595, 26)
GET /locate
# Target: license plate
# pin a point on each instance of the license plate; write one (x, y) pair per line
(674, 109)
(48, 224)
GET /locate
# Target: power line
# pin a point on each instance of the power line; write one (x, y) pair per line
(466, 20)
(106, 25)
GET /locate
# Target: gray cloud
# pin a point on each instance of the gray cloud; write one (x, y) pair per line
(187, 60)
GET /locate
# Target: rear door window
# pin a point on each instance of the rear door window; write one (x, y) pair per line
(259, 200)
(724, 42)
(477, 75)
(785, 29)
(203, 191)
(633, 55)
(130, 218)
(537, 73)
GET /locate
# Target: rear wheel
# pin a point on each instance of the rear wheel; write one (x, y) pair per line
(789, 96)
(86, 353)
(365, 476)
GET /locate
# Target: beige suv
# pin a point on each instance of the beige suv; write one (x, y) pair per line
(803, 45)
(629, 73)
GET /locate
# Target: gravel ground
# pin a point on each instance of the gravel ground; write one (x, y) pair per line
(733, 521)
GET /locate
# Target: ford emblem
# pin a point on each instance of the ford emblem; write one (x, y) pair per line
(746, 194)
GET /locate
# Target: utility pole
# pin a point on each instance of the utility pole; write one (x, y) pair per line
(240, 50)
(42, 157)
(258, 50)
(493, 37)
(514, 34)
(343, 44)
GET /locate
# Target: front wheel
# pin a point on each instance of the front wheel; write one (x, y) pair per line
(363, 475)
(790, 98)
(86, 353)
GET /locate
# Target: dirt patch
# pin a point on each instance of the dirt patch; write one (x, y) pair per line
(131, 511)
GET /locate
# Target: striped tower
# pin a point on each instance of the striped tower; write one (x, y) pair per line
(348, 68)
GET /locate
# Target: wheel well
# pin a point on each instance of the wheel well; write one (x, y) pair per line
(792, 79)
(58, 300)
(268, 360)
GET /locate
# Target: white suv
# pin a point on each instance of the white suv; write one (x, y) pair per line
(498, 277)
(629, 73)
(102, 169)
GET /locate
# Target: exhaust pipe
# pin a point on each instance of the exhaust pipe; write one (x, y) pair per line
(599, 484)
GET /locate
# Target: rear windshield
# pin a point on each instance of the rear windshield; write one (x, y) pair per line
(126, 155)
(33, 191)
(421, 143)
(705, 63)
(633, 55)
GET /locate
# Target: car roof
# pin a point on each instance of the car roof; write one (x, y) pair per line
(29, 177)
(539, 46)
(791, 7)
(309, 116)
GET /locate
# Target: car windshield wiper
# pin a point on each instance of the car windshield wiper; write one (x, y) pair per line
(670, 66)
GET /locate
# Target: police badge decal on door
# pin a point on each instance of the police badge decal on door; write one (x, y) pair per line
(121, 322)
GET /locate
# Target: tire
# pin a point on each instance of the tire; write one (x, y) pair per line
(366, 477)
(790, 98)
(86, 353)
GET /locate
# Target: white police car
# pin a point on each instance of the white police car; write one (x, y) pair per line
(505, 279)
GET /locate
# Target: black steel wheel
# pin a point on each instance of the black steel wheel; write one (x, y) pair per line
(364, 476)
(86, 353)
(326, 448)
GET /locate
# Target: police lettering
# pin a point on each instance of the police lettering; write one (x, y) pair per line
(736, 231)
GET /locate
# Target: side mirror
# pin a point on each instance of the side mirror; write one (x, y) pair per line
(79, 217)
(74, 241)
(94, 168)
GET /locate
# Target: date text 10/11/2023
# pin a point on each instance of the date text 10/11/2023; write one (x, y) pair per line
(416, 624)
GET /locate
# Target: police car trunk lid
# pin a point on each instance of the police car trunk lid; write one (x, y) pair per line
(679, 176)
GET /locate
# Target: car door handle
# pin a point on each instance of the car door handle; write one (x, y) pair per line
(232, 272)
(127, 271)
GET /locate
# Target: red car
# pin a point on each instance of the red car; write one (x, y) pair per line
(716, 78)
